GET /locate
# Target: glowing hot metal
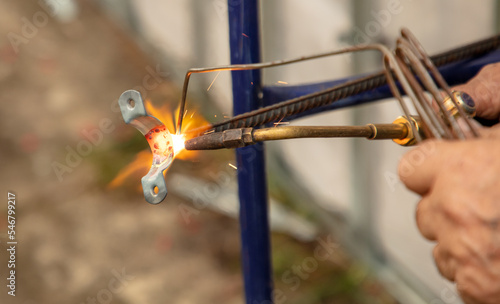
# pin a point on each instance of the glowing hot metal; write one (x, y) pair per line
(162, 143)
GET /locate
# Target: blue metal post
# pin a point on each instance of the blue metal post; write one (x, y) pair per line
(244, 40)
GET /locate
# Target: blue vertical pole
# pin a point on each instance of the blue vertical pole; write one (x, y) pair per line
(256, 254)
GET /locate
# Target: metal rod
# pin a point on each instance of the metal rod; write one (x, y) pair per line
(236, 138)
(290, 132)
(439, 78)
(349, 88)
(290, 107)
(423, 107)
(425, 78)
(390, 62)
(371, 131)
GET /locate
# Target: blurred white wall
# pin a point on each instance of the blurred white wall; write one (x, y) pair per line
(190, 33)
(194, 34)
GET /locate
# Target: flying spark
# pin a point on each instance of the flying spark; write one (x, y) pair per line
(217, 75)
(282, 123)
(233, 166)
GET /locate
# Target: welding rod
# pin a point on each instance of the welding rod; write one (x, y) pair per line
(399, 131)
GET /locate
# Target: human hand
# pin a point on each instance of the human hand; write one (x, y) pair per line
(460, 187)
(460, 210)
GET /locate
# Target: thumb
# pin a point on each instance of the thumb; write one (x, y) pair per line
(419, 167)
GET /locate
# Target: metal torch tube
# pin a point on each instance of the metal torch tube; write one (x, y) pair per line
(236, 138)
(371, 131)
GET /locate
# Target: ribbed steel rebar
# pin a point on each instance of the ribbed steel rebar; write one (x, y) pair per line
(321, 98)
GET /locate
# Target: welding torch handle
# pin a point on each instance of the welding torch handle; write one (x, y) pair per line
(399, 131)
(371, 131)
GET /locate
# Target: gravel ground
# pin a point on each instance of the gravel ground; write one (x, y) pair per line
(62, 140)
(74, 237)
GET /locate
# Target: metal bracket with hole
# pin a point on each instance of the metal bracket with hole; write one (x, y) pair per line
(159, 139)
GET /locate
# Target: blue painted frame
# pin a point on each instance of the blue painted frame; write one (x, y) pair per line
(248, 95)
(244, 37)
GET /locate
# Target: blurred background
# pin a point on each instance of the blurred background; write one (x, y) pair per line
(83, 228)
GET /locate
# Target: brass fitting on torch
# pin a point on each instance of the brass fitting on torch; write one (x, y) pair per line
(400, 131)
(409, 139)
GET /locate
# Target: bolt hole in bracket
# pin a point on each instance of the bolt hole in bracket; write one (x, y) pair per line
(159, 139)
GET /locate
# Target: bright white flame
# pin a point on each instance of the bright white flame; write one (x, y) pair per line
(178, 143)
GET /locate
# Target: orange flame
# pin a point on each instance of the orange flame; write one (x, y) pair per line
(143, 160)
